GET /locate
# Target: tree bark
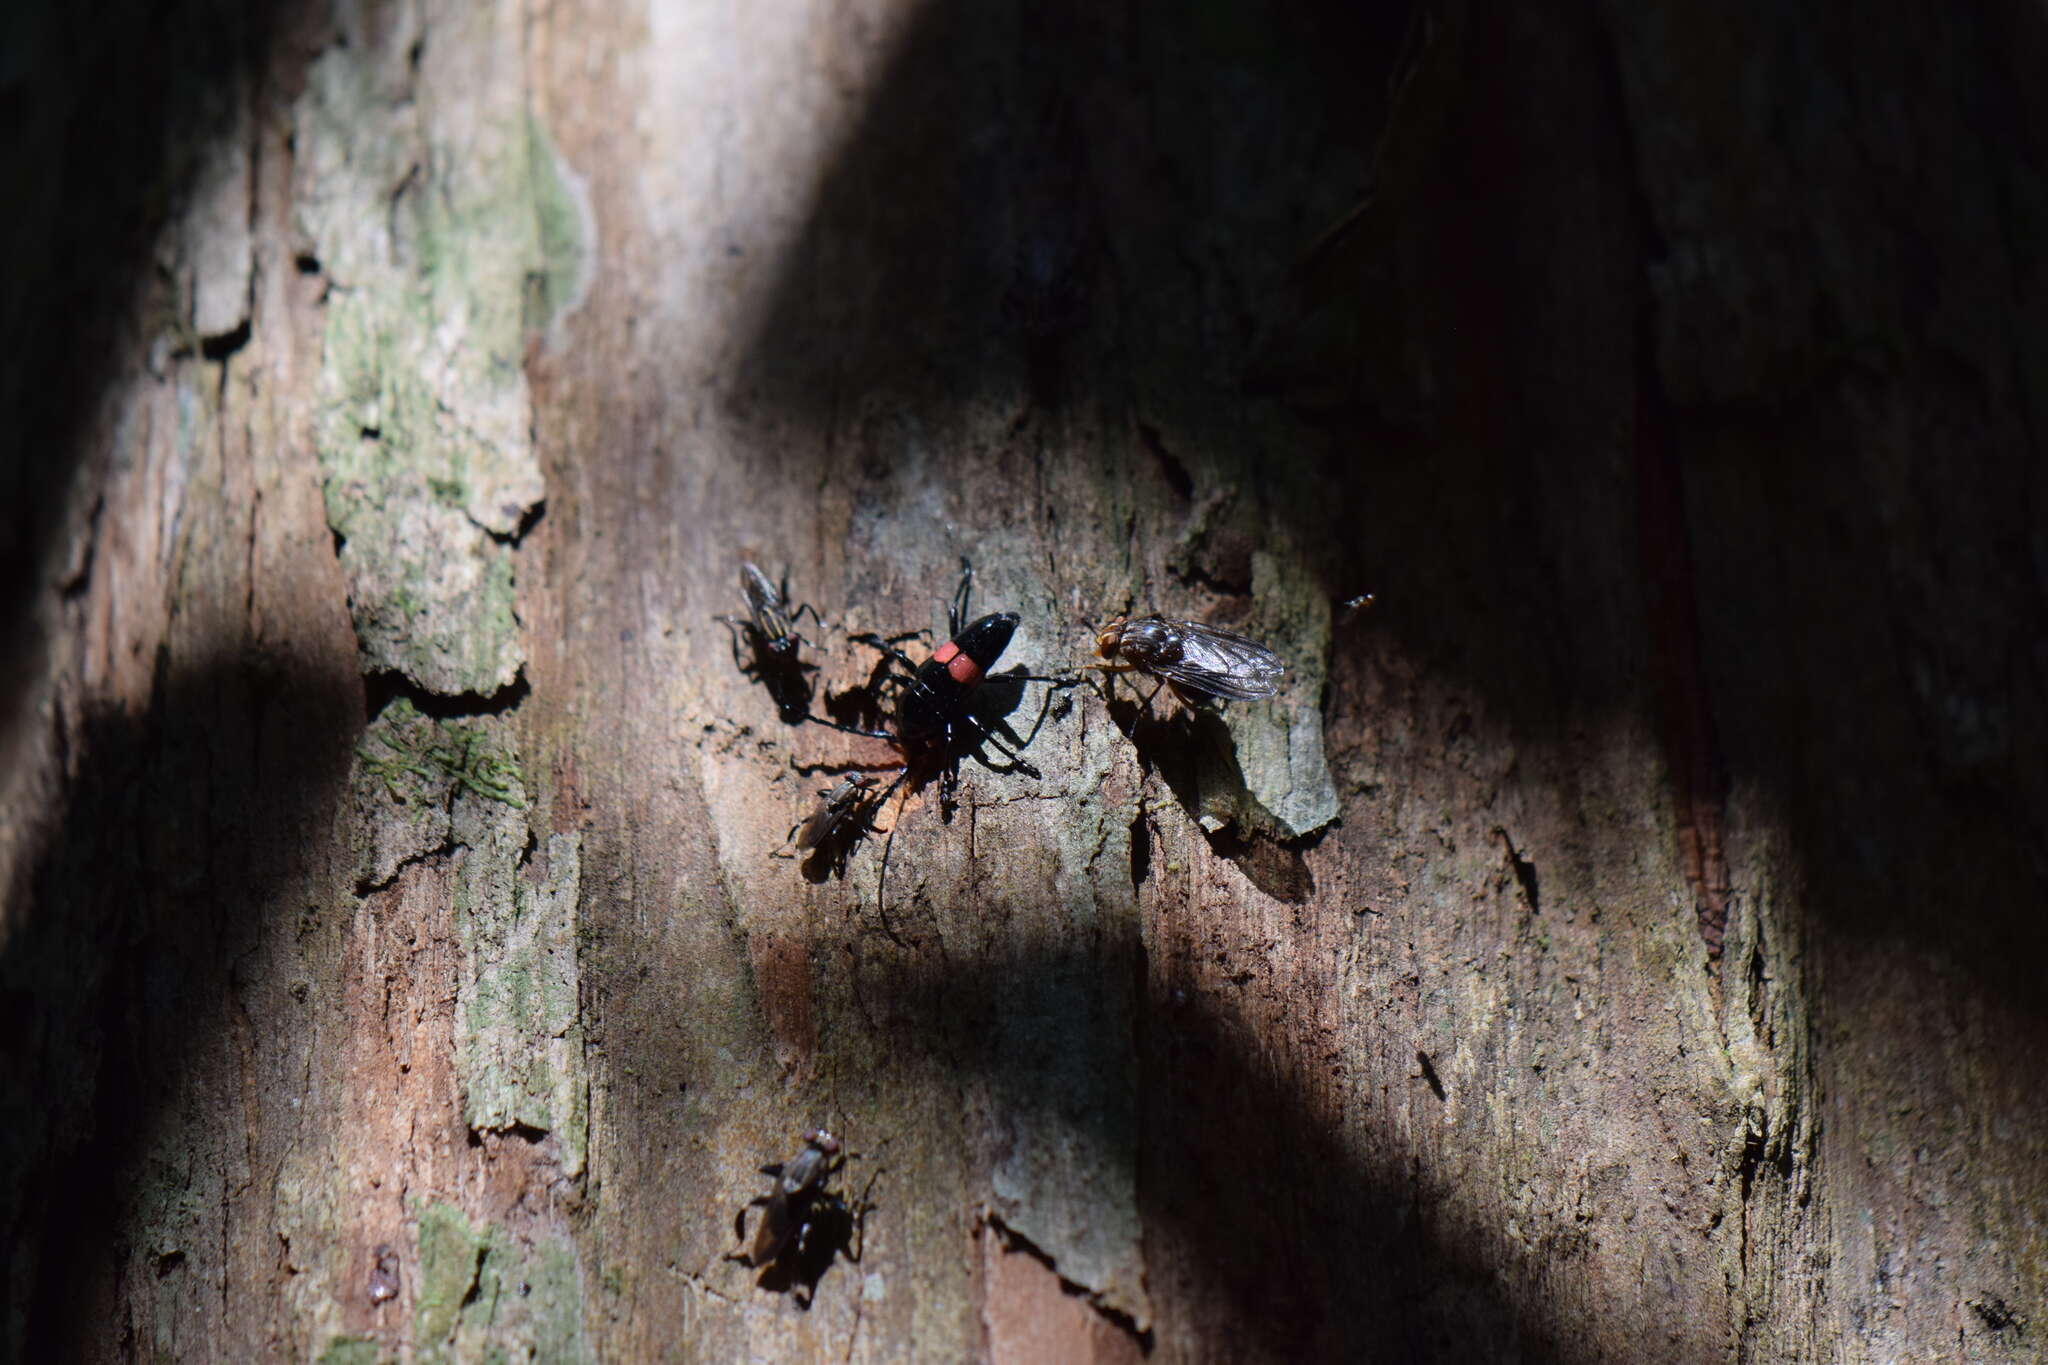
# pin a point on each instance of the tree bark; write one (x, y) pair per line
(1620, 944)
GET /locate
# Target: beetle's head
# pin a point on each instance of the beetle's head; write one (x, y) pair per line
(985, 640)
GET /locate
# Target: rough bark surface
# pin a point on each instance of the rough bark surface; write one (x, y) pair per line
(1622, 944)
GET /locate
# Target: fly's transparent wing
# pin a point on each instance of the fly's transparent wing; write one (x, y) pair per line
(764, 603)
(1215, 662)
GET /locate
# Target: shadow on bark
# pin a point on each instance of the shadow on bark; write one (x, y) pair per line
(1299, 1248)
(1063, 211)
(107, 113)
(140, 914)
(1072, 213)
(150, 950)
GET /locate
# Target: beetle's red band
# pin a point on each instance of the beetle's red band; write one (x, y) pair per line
(945, 652)
(962, 669)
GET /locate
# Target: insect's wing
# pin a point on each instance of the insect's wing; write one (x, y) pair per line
(1221, 664)
(806, 1169)
(764, 601)
(836, 810)
(813, 831)
(773, 1233)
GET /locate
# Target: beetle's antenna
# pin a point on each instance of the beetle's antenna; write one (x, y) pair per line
(882, 882)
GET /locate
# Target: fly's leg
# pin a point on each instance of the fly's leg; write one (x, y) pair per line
(733, 625)
(796, 613)
(863, 1205)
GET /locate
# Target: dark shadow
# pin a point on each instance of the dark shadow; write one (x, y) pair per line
(1072, 209)
(131, 956)
(1023, 178)
(106, 114)
(1190, 747)
(785, 677)
(144, 953)
(833, 1234)
(1307, 1250)
(1077, 209)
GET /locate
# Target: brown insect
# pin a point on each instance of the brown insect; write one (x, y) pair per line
(798, 1193)
(842, 810)
(1197, 660)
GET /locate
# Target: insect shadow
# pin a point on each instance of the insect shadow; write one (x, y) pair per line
(1189, 745)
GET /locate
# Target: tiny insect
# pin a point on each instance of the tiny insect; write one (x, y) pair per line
(838, 809)
(773, 644)
(835, 826)
(384, 1275)
(796, 1198)
(1196, 660)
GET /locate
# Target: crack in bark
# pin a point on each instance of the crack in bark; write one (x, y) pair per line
(365, 888)
(1524, 870)
(1012, 1240)
(384, 685)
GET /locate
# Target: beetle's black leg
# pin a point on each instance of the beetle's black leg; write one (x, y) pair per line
(847, 729)
(887, 647)
(796, 613)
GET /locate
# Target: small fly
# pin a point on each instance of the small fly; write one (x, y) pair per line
(834, 827)
(837, 814)
(804, 1225)
(773, 645)
(1196, 660)
(798, 1191)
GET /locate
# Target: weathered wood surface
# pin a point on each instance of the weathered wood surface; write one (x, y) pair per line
(1623, 944)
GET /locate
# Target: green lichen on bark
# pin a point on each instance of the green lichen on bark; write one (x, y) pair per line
(451, 1257)
(489, 1294)
(408, 770)
(424, 786)
(350, 1351)
(560, 212)
(519, 1045)
(423, 212)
